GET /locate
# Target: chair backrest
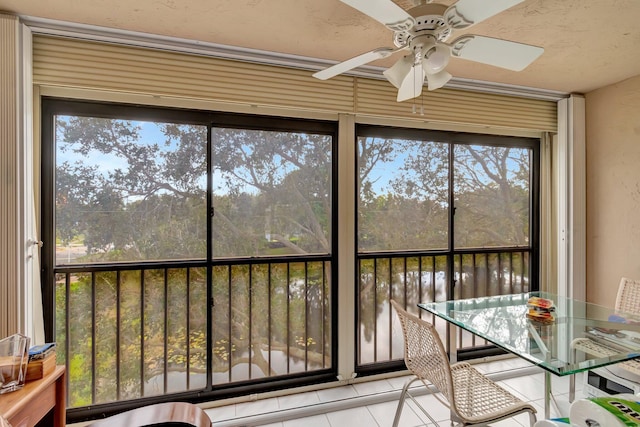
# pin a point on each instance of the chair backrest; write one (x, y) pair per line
(628, 298)
(424, 353)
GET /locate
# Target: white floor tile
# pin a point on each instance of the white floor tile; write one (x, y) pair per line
(373, 387)
(529, 388)
(315, 421)
(398, 382)
(221, 413)
(437, 410)
(336, 393)
(560, 385)
(262, 406)
(384, 414)
(352, 417)
(526, 388)
(298, 400)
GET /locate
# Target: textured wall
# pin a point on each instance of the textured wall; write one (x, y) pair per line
(613, 188)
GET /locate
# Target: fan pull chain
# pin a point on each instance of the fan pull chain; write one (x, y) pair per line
(413, 101)
(414, 107)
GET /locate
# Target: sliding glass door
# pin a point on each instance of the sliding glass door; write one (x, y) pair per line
(441, 215)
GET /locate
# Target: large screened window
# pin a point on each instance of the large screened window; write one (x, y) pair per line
(404, 199)
(129, 190)
(272, 192)
(441, 215)
(193, 252)
(492, 189)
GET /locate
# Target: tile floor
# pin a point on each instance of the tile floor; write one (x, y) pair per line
(371, 404)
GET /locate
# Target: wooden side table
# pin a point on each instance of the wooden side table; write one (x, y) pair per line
(27, 406)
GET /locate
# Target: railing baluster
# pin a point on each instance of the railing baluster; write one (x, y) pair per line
(250, 337)
(93, 337)
(188, 326)
(511, 272)
(288, 346)
(230, 337)
(67, 328)
(306, 316)
(118, 335)
(166, 331)
(142, 330)
(324, 314)
(375, 305)
(487, 275)
(269, 332)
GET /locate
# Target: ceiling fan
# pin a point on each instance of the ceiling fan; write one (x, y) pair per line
(423, 31)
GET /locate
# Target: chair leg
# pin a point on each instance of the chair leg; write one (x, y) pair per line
(532, 419)
(403, 396)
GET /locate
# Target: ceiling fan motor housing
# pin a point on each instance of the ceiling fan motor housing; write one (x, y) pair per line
(428, 20)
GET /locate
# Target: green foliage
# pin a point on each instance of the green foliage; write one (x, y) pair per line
(404, 195)
(140, 195)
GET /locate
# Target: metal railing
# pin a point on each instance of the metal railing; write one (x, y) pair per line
(416, 278)
(130, 332)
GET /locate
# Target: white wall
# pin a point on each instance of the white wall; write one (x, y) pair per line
(613, 188)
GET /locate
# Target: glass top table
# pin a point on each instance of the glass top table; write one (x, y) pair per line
(502, 320)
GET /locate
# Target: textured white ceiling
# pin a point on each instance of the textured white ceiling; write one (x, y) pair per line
(588, 43)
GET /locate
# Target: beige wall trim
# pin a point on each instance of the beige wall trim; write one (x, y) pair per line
(571, 198)
(346, 252)
(547, 223)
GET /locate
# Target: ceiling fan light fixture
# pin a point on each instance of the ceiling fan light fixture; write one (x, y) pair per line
(411, 86)
(436, 58)
(437, 80)
(398, 71)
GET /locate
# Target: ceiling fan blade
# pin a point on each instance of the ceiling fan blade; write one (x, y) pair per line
(384, 11)
(437, 80)
(398, 71)
(500, 53)
(412, 84)
(466, 13)
(355, 62)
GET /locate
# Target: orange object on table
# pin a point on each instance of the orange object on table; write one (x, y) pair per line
(543, 303)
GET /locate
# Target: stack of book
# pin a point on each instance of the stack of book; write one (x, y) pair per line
(540, 310)
(42, 361)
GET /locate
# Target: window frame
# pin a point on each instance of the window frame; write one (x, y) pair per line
(452, 138)
(52, 107)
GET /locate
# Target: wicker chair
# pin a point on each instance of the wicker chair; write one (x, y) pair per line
(472, 398)
(628, 298)
(627, 301)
